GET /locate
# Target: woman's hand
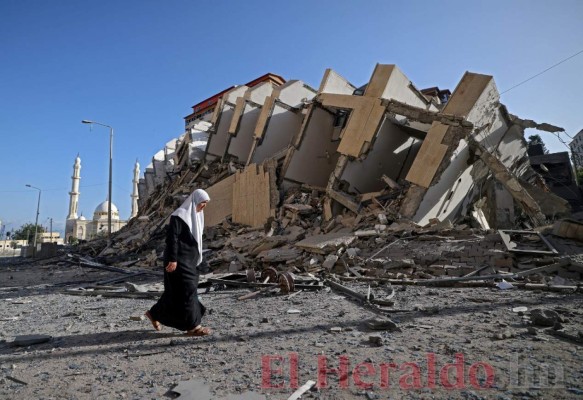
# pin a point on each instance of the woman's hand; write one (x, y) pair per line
(171, 267)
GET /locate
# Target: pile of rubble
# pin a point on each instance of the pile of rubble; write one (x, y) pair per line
(380, 183)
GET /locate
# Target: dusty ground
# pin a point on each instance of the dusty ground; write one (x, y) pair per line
(97, 352)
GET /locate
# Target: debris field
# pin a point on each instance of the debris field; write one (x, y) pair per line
(360, 241)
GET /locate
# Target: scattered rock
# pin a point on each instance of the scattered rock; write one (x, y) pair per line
(544, 317)
(382, 324)
(376, 340)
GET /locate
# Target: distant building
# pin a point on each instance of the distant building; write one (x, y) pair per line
(48, 237)
(441, 95)
(577, 149)
(205, 108)
(82, 229)
(6, 246)
(558, 173)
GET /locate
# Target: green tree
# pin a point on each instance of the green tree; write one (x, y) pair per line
(579, 176)
(26, 232)
(536, 139)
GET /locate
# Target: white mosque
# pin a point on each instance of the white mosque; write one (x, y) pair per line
(82, 229)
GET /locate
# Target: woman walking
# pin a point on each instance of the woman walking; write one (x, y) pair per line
(179, 306)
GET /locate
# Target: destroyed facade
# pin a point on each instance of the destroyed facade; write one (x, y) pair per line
(451, 156)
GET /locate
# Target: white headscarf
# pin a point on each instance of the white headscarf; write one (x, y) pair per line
(194, 220)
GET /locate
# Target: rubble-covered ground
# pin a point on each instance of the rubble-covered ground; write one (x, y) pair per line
(98, 351)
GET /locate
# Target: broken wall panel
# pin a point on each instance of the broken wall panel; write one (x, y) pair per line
(142, 193)
(314, 159)
(371, 144)
(149, 178)
(159, 165)
(432, 153)
(221, 121)
(198, 141)
(449, 175)
(367, 111)
(333, 82)
(221, 204)
(252, 196)
(242, 128)
(317, 139)
(392, 154)
(281, 119)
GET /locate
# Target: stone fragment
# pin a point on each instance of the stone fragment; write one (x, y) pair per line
(133, 288)
(376, 340)
(330, 261)
(336, 329)
(382, 324)
(544, 317)
(504, 335)
(137, 318)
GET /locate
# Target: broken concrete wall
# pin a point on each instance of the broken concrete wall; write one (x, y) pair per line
(149, 177)
(280, 120)
(221, 121)
(170, 155)
(198, 141)
(245, 116)
(447, 167)
(391, 154)
(441, 170)
(372, 145)
(159, 165)
(142, 192)
(318, 138)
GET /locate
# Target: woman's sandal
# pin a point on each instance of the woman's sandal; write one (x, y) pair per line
(199, 331)
(155, 324)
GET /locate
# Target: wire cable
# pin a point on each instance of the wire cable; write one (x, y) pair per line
(542, 72)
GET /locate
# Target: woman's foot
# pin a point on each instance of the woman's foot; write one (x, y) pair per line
(155, 323)
(199, 331)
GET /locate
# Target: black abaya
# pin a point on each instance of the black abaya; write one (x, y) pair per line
(179, 306)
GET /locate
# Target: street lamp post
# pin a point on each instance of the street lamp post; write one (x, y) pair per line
(110, 171)
(36, 221)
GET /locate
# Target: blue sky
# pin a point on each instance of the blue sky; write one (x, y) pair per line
(140, 65)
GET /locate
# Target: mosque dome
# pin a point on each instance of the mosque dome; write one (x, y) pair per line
(100, 212)
(82, 218)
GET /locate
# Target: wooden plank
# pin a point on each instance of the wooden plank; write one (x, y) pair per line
(221, 204)
(252, 199)
(259, 198)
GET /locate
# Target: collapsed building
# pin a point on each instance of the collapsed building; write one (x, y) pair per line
(462, 158)
(297, 173)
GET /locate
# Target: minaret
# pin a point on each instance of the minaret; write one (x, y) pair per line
(135, 195)
(74, 193)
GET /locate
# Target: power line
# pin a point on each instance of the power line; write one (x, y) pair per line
(542, 72)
